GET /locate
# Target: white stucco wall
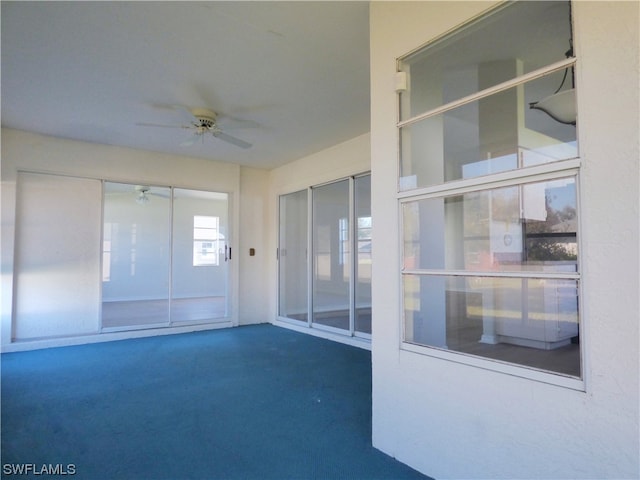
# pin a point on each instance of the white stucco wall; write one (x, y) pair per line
(451, 420)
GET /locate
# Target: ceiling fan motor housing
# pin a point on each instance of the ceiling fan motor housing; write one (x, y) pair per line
(206, 118)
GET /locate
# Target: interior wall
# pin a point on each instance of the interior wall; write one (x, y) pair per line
(254, 228)
(451, 420)
(29, 152)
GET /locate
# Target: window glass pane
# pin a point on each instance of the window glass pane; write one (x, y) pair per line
(530, 322)
(530, 227)
(331, 255)
(491, 135)
(199, 270)
(507, 43)
(362, 204)
(136, 261)
(292, 273)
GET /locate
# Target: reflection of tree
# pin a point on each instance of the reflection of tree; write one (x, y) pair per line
(556, 221)
(549, 250)
(553, 239)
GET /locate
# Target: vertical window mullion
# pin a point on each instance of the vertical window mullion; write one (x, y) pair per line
(309, 256)
(353, 229)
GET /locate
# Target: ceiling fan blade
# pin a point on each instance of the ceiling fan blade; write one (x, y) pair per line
(142, 124)
(227, 122)
(185, 109)
(161, 195)
(233, 140)
(191, 141)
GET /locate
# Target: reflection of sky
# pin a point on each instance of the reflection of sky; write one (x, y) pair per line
(561, 193)
(492, 165)
(530, 157)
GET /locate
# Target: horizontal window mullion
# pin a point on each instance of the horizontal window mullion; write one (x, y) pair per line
(494, 274)
(541, 72)
(547, 171)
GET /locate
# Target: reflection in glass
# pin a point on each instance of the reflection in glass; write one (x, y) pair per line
(136, 257)
(331, 255)
(478, 56)
(362, 186)
(292, 253)
(530, 322)
(199, 266)
(530, 227)
(491, 135)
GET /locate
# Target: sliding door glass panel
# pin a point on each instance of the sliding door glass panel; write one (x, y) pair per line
(292, 254)
(199, 256)
(331, 233)
(136, 256)
(57, 256)
(362, 207)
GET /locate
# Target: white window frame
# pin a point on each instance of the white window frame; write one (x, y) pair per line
(549, 171)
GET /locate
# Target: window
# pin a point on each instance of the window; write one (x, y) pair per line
(487, 191)
(205, 240)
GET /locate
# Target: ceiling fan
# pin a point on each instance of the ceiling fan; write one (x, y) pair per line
(142, 193)
(204, 122)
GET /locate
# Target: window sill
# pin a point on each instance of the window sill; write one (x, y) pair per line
(497, 366)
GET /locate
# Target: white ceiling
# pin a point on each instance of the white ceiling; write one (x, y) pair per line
(295, 73)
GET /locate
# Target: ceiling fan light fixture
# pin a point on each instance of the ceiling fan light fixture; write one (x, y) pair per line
(142, 198)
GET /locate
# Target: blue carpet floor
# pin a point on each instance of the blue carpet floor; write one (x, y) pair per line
(256, 402)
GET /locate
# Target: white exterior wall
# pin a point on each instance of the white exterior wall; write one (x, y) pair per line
(24, 151)
(450, 420)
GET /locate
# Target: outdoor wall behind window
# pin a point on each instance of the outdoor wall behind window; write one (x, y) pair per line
(488, 191)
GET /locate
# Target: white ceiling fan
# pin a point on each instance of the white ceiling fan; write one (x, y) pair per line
(204, 122)
(142, 193)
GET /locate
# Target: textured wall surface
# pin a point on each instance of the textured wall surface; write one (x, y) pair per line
(451, 420)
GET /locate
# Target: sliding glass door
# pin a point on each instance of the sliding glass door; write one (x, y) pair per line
(165, 256)
(57, 256)
(292, 256)
(136, 256)
(330, 288)
(200, 256)
(332, 257)
(362, 253)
